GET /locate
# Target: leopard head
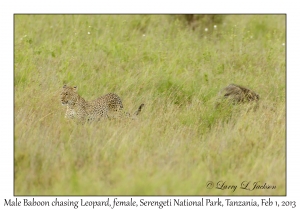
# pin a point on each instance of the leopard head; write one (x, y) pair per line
(69, 95)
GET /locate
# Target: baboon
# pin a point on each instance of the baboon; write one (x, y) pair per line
(238, 94)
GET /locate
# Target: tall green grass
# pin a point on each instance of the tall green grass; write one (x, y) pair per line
(180, 141)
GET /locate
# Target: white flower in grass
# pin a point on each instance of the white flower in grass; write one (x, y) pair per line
(215, 26)
(89, 32)
(206, 29)
(283, 44)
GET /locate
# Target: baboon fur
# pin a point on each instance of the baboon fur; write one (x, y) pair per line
(238, 94)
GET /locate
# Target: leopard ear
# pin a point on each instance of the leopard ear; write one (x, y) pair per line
(64, 86)
(75, 88)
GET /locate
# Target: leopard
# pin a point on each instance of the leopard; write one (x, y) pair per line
(107, 106)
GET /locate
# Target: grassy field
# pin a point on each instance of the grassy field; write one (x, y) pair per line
(180, 141)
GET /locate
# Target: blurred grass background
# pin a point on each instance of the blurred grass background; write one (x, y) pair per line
(176, 65)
